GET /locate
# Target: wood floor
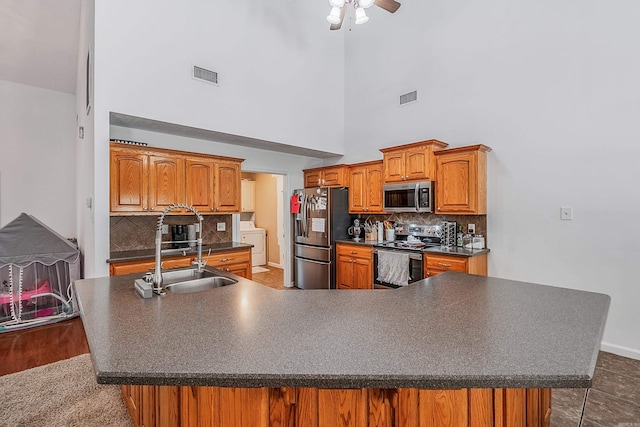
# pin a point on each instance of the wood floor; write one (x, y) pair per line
(41, 345)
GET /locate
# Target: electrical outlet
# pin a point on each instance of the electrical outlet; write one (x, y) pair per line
(471, 228)
(165, 228)
(221, 226)
(566, 213)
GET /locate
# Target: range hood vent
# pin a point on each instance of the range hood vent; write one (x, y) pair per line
(203, 74)
(408, 98)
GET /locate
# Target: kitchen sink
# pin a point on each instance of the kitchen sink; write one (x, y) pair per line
(198, 285)
(182, 274)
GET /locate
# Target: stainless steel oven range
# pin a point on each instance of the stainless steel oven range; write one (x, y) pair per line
(411, 240)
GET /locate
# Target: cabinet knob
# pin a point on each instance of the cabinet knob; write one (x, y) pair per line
(354, 252)
(152, 208)
(144, 209)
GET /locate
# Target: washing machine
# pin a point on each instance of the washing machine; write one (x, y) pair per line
(257, 237)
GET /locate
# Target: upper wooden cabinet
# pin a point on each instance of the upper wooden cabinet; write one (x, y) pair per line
(227, 190)
(129, 180)
(146, 180)
(329, 176)
(166, 181)
(411, 162)
(461, 187)
(365, 187)
(200, 172)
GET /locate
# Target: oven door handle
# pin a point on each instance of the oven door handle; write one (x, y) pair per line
(412, 254)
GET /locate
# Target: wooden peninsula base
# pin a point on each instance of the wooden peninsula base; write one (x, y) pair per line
(311, 407)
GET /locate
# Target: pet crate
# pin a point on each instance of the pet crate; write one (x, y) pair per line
(37, 268)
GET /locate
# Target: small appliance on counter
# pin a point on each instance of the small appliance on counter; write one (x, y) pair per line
(179, 236)
(357, 230)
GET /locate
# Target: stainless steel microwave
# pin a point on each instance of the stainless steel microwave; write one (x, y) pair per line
(409, 197)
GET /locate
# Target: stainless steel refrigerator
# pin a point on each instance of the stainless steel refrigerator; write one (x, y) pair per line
(322, 218)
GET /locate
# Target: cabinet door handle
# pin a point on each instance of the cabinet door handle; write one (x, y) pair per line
(444, 265)
(224, 259)
(354, 252)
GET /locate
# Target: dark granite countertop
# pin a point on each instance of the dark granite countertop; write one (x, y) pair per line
(450, 331)
(455, 251)
(141, 254)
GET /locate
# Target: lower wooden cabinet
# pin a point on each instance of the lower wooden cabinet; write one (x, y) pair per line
(186, 406)
(354, 266)
(436, 264)
(237, 262)
(127, 267)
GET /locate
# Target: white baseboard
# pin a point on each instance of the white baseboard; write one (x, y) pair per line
(273, 264)
(620, 350)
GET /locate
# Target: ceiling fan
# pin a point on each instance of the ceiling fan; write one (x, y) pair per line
(339, 10)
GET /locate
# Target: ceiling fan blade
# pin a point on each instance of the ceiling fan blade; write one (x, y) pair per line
(343, 12)
(388, 5)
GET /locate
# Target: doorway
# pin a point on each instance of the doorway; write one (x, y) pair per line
(263, 196)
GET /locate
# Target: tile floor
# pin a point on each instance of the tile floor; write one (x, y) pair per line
(613, 399)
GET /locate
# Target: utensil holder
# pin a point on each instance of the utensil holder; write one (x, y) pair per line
(390, 235)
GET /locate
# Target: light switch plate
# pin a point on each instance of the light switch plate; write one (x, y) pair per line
(221, 226)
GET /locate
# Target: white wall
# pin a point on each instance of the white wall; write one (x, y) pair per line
(37, 157)
(281, 77)
(552, 87)
(85, 173)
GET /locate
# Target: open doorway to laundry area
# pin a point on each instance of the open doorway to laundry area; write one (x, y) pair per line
(262, 225)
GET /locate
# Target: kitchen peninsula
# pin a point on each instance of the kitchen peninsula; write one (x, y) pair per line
(455, 349)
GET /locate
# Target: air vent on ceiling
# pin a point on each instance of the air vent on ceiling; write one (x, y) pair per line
(205, 75)
(409, 97)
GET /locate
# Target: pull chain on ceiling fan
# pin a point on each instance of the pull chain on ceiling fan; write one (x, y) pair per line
(339, 10)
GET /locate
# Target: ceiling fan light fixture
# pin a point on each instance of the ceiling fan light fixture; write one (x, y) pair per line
(361, 16)
(366, 3)
(334, 16)
(336, 3)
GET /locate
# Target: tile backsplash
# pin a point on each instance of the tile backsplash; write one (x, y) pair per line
(480, 221)
(139, 232)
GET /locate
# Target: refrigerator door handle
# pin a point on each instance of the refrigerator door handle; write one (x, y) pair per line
(314, 262)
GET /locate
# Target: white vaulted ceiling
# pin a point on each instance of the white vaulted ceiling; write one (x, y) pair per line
(39, 43)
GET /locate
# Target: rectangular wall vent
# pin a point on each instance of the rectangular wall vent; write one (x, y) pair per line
(205, 75)
(409, 97)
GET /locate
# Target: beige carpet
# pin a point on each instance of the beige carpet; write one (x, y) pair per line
(64, 393)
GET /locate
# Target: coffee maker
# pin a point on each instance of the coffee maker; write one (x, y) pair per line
(179, 234)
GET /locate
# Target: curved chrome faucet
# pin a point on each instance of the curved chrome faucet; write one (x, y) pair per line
(157, 274)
